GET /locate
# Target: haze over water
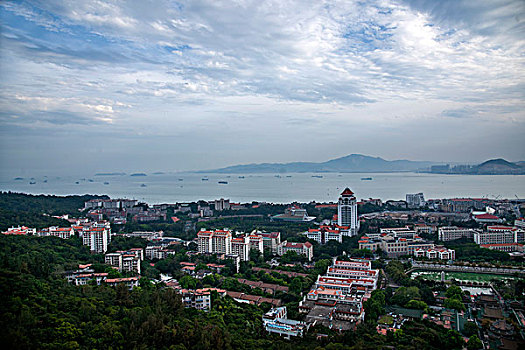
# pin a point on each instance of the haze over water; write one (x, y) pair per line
(167, 188)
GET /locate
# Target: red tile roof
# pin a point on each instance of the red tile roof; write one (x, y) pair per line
(347, 192)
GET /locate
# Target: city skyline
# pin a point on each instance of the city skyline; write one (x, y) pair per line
(191, 85)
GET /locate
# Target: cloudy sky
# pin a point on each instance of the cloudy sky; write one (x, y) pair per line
(87, 86)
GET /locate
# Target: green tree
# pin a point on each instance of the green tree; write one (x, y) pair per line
(454, 304)
(470, 329)
(474, 343)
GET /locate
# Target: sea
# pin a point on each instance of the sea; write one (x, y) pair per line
(275, 188)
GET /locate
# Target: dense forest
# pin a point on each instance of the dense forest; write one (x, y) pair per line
(35, 210)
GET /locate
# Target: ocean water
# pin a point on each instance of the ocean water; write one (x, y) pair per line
(283, 188)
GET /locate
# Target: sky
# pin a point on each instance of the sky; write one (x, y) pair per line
(90, 86)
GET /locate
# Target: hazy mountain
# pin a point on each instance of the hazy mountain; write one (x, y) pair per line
(499, 166)
(349, 164)
(490, 167)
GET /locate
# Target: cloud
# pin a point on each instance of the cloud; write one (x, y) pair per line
(178, 68)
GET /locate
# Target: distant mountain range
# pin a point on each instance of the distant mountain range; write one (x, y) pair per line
(358, 163)
(353, 163)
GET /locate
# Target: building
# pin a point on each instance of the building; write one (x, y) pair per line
(85, 275)
(450, 233)
(504, 247)
(336, 299)
(130, 282)
(347, 212)
(394, 242)
(222, 204)
(294, 214)
(270, 240)
(464, 205)
(325, 233)
(218, 241)
(60, 232)
(256, 243)
(496, 237)
(415, 200)
(126, 261)
(20, 230)
(118, 204)
(276, 321)
(96, 238)
(240, 246)
(486, 218)
(199, 299)
(440, 253)
(156, 252)
(305, 249)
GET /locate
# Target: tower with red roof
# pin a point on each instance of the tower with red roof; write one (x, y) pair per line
(347, 212)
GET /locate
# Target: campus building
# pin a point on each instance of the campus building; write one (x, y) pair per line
(450, 233)
(276, 321)
(336, 299)
(347, 212)
(305, 249)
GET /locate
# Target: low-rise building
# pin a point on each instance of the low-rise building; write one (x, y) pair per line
(199, 299)
(20, 230)
(60, 232)
(130, 282)
(156, 252)
(126, 261)
(276, 321)
(305, 249)
(504, 247)
(294, 214)
(394, 242)
(486, 218)
(450, 233)
(326, 233)
(440, 253)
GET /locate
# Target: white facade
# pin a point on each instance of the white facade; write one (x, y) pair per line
(450, 233)
(347, 212)
(300, 248)
(496, 237)
(415, 200)
(240, 246)
(97, 238)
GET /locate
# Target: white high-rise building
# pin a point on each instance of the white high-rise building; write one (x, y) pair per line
(347, 212)
(97, 238)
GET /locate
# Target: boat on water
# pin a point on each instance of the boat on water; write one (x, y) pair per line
(143, 185)
(32, 182)
(45, 181)
(223, 182)
(366, 178)
(77, 182)
(181, 179)
(288, 175)
(106, 183)
(241, 177)
(318, 176)
(204, 179)
(278, 176)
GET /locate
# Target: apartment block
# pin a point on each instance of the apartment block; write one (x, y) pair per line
(96, 238)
